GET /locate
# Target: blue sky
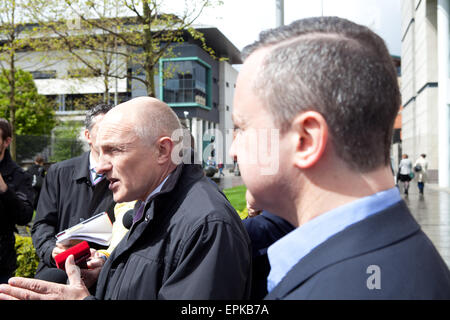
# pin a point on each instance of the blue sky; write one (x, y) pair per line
(242, 20)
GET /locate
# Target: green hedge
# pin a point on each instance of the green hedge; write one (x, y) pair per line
(27, 259)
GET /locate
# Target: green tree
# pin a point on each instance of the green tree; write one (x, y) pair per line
(34, 114)
(17, 38)
(11, 43)
(136, 32)
(65, 143)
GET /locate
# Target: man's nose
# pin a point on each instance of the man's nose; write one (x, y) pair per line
(103, 165)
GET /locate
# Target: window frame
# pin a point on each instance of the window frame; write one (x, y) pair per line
(208, 105)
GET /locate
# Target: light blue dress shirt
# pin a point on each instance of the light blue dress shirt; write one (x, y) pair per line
(287, 251)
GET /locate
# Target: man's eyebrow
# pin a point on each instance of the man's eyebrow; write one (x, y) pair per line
(112, 144)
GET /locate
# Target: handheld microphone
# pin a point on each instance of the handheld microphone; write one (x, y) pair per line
(80, 252)
(52, 275)
(127, 219)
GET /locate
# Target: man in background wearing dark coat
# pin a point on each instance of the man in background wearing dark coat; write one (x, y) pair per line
(37, 171)
(70, 194)
(16, 202)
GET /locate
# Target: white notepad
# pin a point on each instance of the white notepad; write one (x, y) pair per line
(96, 229)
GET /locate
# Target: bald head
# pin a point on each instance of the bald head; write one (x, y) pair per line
(149, 117)
(135, 144)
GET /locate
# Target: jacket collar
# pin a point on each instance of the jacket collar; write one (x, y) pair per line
(194, 172)
(183, 175)
(7, 165)
(377, 231)
(81, 170)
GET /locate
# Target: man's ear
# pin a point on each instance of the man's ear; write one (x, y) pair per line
(165, 146)
(87, 136)
(311, 137)
(7, 141)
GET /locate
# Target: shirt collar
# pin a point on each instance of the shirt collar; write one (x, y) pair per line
(92, 162)
(7, 165)
(81, 167)
(92, 165)
(316, 231)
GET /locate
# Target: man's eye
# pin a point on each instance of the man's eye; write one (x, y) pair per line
(111, 150)
(116, 150)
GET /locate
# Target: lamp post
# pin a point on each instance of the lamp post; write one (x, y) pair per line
(279, 12)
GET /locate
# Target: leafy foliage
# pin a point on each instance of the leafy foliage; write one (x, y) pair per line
(34, 113)
(27, 259)
(107, 35)
(66, 145)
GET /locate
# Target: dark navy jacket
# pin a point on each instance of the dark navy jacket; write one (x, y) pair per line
(263, 230)
(385, 256)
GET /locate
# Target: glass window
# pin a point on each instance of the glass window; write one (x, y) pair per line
(185, 82)
(46, 74)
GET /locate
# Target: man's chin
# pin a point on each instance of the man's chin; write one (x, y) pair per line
(119, 198)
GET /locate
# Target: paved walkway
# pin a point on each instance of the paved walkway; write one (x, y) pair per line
(432, 212)
(229, 181)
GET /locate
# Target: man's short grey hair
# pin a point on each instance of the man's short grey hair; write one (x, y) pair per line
(340, 69)
(89, 120)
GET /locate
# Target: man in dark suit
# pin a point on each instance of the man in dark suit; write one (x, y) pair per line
(325, 89)
(71, 193)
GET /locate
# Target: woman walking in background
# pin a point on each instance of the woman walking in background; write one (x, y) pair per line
(421, 167)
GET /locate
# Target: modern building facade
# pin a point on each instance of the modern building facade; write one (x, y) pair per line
(198, 87)
(425, 84)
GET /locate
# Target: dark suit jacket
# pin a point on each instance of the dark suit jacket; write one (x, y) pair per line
(385, 256)
(67, 196)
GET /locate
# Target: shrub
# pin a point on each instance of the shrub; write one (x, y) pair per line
(27, 259)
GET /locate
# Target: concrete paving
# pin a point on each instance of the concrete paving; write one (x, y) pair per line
(432, 212)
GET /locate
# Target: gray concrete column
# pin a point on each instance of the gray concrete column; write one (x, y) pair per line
(443, 99)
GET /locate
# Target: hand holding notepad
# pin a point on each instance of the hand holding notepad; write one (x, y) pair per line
(96, 229)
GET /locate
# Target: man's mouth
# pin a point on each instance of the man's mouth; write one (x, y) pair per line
(113, 183)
